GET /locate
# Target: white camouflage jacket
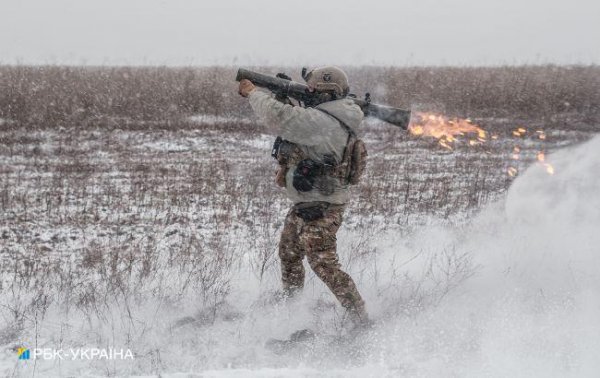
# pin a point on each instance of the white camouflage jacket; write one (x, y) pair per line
(316, 132)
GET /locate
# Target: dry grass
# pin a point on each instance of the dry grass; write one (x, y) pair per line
(109, 194)
(50, 96)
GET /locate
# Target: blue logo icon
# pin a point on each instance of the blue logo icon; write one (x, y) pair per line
(23, 353)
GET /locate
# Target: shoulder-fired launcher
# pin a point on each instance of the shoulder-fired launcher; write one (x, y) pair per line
(300, 92)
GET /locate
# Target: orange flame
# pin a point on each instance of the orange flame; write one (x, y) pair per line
(445, 129)
(519, 132)
(516, 152)
(541, 157)
(541, 134)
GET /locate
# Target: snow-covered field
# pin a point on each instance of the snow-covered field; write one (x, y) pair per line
(164, 242)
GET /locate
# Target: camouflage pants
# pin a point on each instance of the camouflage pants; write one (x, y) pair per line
(316, 240)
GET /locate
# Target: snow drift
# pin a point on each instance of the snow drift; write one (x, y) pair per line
(513, 292)
(530, 308)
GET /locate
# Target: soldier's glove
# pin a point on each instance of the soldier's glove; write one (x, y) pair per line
(246, 87)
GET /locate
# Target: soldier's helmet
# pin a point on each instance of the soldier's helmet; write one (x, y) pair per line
(328, 79)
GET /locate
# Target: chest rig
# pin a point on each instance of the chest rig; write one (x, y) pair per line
(321, 175)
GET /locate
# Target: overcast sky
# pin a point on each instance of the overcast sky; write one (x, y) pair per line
(244, 32)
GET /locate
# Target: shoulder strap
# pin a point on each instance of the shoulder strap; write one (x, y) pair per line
(344, 125)
(343, 167)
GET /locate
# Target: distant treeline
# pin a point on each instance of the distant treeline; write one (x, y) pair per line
(49, 96)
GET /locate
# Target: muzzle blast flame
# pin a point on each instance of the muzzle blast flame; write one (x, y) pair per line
(446, 130)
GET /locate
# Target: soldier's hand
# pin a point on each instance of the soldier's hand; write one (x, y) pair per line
(246, 87)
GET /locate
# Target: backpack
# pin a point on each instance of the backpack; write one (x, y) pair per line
(354, 160)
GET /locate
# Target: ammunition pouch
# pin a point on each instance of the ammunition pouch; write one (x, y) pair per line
(305, 174)
(282, 150)
(280, 176)
(310, 211)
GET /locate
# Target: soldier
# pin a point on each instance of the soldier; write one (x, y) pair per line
(310, 151)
